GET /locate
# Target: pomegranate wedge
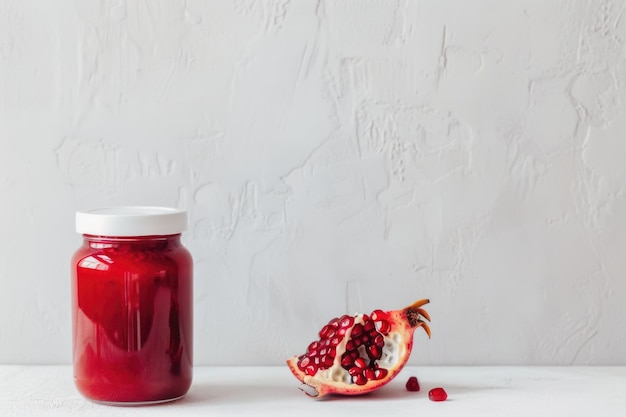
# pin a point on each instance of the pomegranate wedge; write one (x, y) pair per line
(361, 353)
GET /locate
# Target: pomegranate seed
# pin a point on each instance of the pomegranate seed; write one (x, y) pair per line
(364, 339)
(357, 342)
(334, 323)
(383, 326)
(360, 362)
(326, 361)
(335, 341)
(369, 326)
(341, 332)
(312, 346)
(310, 370)
(374, 352)
(365, 318)
(359, 379)
(370, 374)
(332, 352)
(304, 363)
(381, 373)
(350, 346)
(346, 321)
(379, 341)
(354, 371)
(346, 361)
(437, 394)
(378, 315)
(412, 384)
(324, 332)
(323, 351)
(357, 330)
(312, 353)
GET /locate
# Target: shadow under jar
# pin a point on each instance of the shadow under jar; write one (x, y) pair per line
(132, 312)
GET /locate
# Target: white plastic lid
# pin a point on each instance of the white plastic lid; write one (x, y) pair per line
(131, 221)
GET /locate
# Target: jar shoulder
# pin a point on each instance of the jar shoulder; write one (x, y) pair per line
(89, 257)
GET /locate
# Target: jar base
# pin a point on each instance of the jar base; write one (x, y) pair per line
(135, 403)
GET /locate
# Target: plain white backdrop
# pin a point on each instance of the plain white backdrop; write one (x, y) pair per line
(333, 156)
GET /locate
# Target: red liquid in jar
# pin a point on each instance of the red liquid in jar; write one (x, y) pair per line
(132, 316)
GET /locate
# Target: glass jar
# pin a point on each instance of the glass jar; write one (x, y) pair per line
(132, 309)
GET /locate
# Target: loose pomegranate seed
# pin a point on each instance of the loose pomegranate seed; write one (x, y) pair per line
(412, 384)
(437, 394)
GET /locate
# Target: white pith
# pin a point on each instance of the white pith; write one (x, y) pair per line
(392, 353)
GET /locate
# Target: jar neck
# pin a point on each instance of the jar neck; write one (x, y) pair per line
(159, 242)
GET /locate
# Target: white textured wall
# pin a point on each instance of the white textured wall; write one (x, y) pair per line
(333, 156)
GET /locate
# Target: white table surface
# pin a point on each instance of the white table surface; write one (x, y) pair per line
(272, 391)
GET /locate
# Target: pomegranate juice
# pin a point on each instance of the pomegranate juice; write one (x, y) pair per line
(132, 318)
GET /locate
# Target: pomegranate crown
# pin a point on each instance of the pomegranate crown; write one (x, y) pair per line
(415, 313)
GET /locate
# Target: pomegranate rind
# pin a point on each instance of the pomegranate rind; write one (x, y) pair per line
(403, 325)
